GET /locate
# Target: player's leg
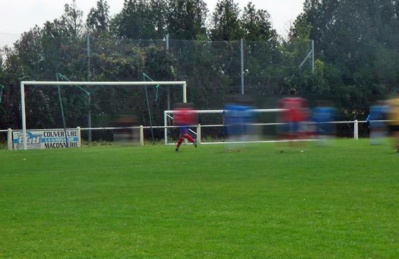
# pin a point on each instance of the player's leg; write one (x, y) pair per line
(179, 141)
(183, 131)
(190, 139)
(184, 135)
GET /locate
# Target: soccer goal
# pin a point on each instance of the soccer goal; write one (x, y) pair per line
(105, 87)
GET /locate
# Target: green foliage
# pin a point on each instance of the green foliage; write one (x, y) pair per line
(257, 26)
(98, 20)
(186, 19)
(226, 22)
(353, 39)
(114, 202)
(71, 20)
(301, 28)
(356, 53)
(140, 19)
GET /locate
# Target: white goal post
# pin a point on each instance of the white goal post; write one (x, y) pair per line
(183, 84)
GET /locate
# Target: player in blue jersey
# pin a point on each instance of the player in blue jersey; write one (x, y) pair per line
(323, 116)
(237, 117)
(377, 125)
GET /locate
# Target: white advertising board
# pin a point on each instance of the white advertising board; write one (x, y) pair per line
(46, 139)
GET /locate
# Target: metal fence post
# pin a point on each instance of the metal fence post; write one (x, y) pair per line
(356, 130)
(199, 133)
(141, 135)
(79, 136)
(9, 139)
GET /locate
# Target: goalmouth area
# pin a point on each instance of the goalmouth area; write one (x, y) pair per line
(23, 84)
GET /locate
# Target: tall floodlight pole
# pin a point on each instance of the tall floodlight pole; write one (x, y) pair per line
(167, 41)
(1, 91)
(312, 56)
(242, 66)
(167, 50)
(88, 79)
(88, 58)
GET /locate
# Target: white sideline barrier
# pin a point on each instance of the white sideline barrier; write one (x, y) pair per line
(198, 132)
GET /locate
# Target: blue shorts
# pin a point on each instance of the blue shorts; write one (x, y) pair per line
(183, 130)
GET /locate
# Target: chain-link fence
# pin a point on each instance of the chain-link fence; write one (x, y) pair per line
(263, 70)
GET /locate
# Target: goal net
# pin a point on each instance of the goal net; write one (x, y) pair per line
(98, 108)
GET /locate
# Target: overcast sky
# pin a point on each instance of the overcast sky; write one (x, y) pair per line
(18, 16)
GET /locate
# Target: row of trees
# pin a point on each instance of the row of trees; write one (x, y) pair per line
(356, 48)
(357, 42)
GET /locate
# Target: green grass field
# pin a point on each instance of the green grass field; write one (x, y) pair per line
(340, 201)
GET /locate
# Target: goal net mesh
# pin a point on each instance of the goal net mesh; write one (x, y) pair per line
(100, 110)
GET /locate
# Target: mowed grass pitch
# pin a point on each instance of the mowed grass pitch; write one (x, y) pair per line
(151, 202)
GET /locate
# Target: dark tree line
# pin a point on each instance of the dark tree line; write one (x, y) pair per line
(356, 50)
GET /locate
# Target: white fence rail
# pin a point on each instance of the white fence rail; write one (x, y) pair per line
(198, 131)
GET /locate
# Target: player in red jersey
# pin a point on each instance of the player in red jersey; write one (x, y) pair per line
(184, 116)
(294, 115)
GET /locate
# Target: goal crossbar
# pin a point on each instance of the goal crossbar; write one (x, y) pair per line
(89, 83)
